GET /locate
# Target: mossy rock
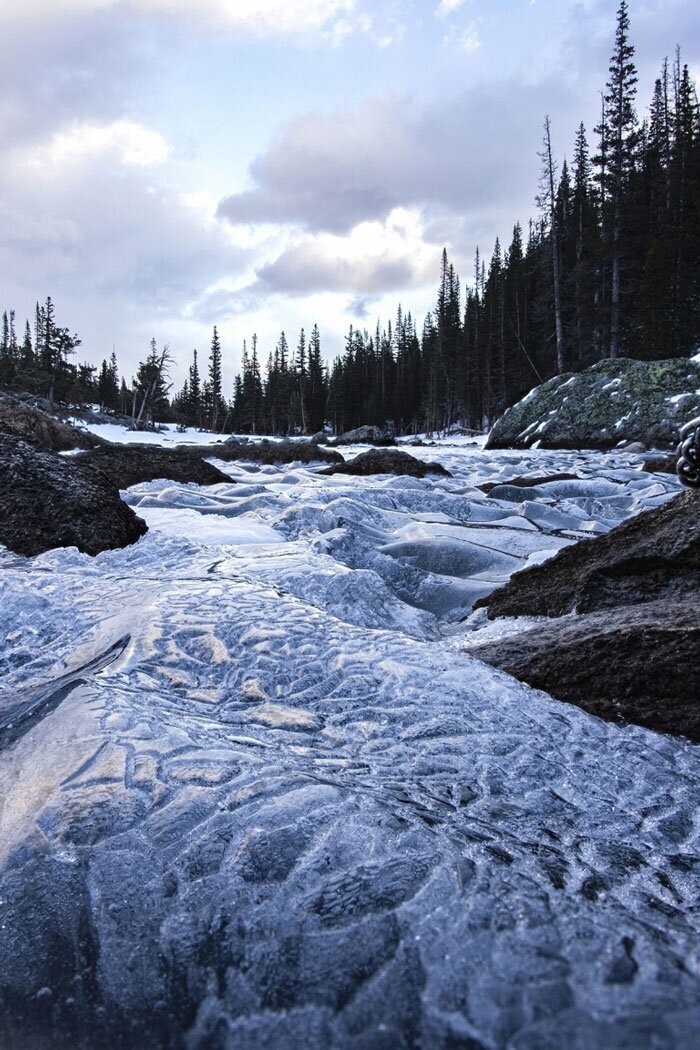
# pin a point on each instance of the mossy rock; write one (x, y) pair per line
(614, 402)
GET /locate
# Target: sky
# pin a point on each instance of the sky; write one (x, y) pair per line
(169, 165)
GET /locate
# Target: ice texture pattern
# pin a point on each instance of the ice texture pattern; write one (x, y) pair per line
(255, 792)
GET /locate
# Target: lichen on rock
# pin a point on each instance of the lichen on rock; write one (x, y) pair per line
(613, 402)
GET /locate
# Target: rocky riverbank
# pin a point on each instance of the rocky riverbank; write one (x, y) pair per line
(622, 638)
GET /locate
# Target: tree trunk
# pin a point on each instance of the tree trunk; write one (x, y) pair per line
(615, 291)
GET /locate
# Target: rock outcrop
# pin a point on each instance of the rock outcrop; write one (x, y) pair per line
(653, 555)
(630, 664)
(624, 638)
(127, 465)
(612, 402)
(387, 461)
(53, 501)
(365, 436)
(660, 464)
(40, 429)
(270, 452)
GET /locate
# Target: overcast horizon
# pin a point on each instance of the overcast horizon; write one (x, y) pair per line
(171, 164)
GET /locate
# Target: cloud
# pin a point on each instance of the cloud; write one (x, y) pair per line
(260, 17)
(82, 220)
(359, 306)
(657, 27)
(468, 39)
(56, 73)
(466, 155)
(447, 7)
(131, 144)
(376, 257)
(373, 260)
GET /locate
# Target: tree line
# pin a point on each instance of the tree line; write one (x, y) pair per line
(609, 267)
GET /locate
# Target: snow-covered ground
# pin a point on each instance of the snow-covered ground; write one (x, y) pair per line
(257, 760)
(166, 435)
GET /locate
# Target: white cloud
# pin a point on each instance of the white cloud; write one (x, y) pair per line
(469, 40)
(374, 257)
(264, 17)
(447, 7)
(261, 16)
(347, 26)
(82, 219)
(130, 144)
(329, 172)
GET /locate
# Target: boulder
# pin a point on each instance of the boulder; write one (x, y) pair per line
(624, 639)
(653, 555)
(127, 465)
(635, 663)
(613, 402)
(661, 464)
(388, 461)
(41, 430)
(53, 501)
(270, 452)
(365, 436)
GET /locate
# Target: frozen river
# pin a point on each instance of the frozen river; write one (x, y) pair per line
(255, 793)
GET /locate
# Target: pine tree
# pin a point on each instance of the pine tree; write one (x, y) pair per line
(151, 387)
(47, 344)
(218, 407)
(107, 385)
(283, 383)
(317, 387)
(619, 138)
(547, 200)
(583, 235)
(26, 349)
(301, 384)
(194, 408)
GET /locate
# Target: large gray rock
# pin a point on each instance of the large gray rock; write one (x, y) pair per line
(51, 501)
(40, 429)
(270, 452)
(633, 663)
(613, 401)
(127, 465)
(653, 555)
(624, 641)
(387, 461)
(365, 436)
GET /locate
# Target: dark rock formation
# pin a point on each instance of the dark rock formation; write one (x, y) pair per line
(52, 501)
(633, 651)
(611, 402)
(365, 436)
(388, 461)
(41, 430)
(631, 664)
(660, 465)
(270, 452)
(653, 555)
(127, 465)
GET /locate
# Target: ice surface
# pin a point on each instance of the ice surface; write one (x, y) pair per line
(212, 529)
(255, 793)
